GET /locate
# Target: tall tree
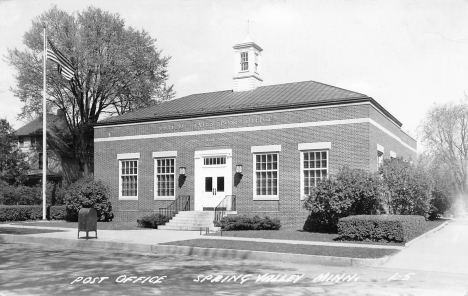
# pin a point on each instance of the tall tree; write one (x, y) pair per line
(445, 134)
(119, 69)
(13, 164)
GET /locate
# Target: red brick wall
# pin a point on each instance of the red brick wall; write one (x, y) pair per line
(353, 145)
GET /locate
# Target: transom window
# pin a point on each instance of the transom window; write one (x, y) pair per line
(215, 160)
(244, 61)
(266, 174)
(165, 176)
(315, 168)
(129, 177)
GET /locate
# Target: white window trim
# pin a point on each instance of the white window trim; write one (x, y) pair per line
(121, 158)
(165, 154)
(392, 154)
(128, 156)
(254, 190)
(156, 197)
(380, 148)
(266, 148)
(321, 146)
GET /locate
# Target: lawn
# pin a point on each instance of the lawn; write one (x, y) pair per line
(22, 231)
(65, 224)
(349, 252)
(308, 236)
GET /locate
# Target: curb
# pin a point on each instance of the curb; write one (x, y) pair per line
(195, 251)
(427, 233)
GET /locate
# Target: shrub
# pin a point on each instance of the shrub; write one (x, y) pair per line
(152, 221)
(20, 213)
(24, 195)
(87, 193)
(409, 186)
(57, 212)
(391, 228)
(440, 203)
(351, 192)
(249, 223)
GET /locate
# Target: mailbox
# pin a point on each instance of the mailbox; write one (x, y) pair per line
(87, 221)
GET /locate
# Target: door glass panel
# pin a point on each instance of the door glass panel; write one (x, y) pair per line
(220, 184)
(208, 184)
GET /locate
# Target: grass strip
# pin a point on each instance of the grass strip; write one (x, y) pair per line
(348, 252)
(22, 231)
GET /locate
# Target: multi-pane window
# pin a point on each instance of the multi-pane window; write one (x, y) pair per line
(244, 61)
(266, 174)
(379, 158)
(129, 178)
(215, 160)
(256, 62)
(165, 176)
(315, 169)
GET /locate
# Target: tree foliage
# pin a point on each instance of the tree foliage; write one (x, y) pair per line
(350, 192)
(13, 164)
(409, 186)
(119, 69)
(444, 133)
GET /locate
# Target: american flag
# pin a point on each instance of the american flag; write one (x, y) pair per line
(65, 67)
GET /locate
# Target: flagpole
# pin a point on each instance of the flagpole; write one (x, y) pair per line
(44, 133)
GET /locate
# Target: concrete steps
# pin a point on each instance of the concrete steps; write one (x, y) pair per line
(191, 220)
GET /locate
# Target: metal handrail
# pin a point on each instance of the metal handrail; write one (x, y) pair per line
(228, 204)
(182, 203)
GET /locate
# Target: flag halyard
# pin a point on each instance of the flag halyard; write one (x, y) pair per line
(65, 67)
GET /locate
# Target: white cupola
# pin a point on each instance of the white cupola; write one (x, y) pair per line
(247, 65)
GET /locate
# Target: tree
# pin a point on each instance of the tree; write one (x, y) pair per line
(119, 69)
(13, 164)
(444, 133)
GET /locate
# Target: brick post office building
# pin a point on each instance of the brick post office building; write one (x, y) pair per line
(267, 145)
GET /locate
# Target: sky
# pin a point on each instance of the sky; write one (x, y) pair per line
(407, 55)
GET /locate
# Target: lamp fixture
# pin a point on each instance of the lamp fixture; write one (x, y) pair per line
(239, 169)
(182, 171)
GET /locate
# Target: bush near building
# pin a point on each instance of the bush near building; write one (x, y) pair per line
(87, 193)
(381, 228)
(248, 223)
(24, 195)
(30, 212)
(350, 192)
(409, 188)
(152, 221)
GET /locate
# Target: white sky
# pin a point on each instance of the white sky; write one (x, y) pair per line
(407, 55)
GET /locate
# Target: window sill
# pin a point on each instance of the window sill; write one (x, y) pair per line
(266, 197)
(164, 198)
(128, 197)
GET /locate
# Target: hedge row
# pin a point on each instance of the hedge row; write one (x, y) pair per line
(248, 223)
(389, 228)
(23, 213)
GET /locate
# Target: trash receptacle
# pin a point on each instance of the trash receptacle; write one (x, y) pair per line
(87, 221)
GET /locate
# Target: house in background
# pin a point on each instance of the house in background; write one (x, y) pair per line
(60, 166)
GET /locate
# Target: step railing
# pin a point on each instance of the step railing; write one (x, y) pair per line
(228, 204)
(182, 203)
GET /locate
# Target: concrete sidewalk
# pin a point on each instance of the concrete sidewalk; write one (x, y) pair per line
(445, 250)
(150, 241)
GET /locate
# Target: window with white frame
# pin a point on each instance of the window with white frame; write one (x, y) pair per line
(129, 178)
(165, 177)
(266, 174)
(256, 62)
(314, 169)
(244, 61)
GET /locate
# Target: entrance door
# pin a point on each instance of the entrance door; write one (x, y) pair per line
(213, 177)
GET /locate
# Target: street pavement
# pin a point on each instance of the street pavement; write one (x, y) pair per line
(32, 269)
